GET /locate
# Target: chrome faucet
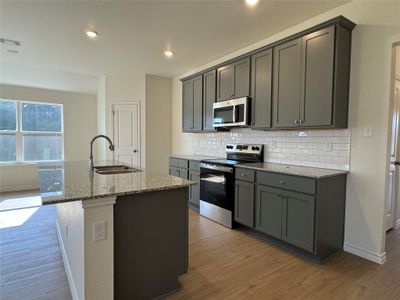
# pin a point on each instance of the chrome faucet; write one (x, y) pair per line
(111, 147)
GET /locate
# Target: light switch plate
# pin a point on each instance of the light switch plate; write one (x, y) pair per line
(368, 131)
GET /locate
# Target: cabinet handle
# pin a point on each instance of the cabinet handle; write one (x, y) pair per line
(296, 121)
(242, 175)
(301, 121)
(281, 182)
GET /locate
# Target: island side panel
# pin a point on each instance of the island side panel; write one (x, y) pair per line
(150, 243)
(70, 224)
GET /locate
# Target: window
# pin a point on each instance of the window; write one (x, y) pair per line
(30, 131)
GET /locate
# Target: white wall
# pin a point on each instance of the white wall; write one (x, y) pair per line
(79, 127)
(378, 27)
(126, 88)
(158, 122)
(101, 145)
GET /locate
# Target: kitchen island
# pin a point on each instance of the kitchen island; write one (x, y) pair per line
(122, 236)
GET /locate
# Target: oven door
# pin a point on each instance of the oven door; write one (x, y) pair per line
(217, 186)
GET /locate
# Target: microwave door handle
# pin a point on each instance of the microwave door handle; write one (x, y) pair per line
(234, 114)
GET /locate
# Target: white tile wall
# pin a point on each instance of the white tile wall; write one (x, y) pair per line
(315, 148)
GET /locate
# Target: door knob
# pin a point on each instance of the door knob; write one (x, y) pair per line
(134, 151)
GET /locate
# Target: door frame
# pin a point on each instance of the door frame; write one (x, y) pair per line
(396, 188)
(139, 122)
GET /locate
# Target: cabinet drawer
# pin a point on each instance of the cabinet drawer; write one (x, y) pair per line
(288, 182)
(177, 162)
(194, 165)
(245, 174)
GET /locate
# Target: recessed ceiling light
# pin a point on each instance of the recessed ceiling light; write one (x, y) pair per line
(251, 2)
(91, 34)
(168, 53)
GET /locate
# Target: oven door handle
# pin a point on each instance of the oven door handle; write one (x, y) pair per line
(234, 113)
(216, 168)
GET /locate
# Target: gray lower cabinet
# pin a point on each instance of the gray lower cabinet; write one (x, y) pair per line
(187, 169)
(209, 98)
(269, 210)
(233, 80)
(261, 89)
(179, 172)
(304, 212)
(192, 104)
(194, 191)
(244, 203)
(298, 220)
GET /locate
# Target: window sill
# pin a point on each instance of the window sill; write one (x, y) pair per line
(28, 163)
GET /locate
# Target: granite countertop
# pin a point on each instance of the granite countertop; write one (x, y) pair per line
(196, 157)
(293, 170)
(72, 181)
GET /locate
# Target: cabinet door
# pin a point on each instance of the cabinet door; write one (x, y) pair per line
(209, 97)
(198, 103)
(241, 78)
(268, 211)
(182, 173)
(287, 84)
(261, 89)
(298, 220)
(244, 203)
(225, 82)
(316, 103)
(194, 190)
(187, 103)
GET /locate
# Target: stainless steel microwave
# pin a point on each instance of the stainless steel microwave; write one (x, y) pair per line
(230, 113)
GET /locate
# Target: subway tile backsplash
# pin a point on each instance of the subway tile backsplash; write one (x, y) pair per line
(314, 148)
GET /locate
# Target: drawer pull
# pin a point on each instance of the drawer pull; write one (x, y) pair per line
(242, 175)
(281, 182)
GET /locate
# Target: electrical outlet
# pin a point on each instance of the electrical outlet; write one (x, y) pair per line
(99, 231)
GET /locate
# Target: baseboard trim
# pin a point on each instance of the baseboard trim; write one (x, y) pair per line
(374, 257)
(70, 278)
(18, 188)
(397, 225)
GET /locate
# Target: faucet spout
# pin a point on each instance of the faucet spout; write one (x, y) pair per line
(111, 147)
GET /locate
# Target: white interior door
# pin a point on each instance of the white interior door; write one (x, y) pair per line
(126, 132)
(394, 176)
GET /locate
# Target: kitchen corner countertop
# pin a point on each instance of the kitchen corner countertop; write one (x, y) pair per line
(293, 170)
(72, 181)
(196, 157)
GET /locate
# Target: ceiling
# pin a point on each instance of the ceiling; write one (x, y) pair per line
(134, 34)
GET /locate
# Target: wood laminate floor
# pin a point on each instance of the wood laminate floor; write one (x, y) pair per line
(31, 265)
(224, 264)
(230, 264)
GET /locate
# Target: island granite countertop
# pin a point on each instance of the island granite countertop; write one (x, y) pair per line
(293, 170)
(72, 181)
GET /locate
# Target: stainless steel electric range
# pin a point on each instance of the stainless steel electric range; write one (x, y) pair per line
(217, 181)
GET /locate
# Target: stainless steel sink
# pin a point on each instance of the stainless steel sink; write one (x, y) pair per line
(115, 169)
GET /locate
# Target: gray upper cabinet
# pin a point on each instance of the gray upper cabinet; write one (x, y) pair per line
(287, 84)
(298, 222)
(209, 98)
(192, 102)
(301, 81)
(311, 80)
(233, 80)
(317, 78)
(261, 89)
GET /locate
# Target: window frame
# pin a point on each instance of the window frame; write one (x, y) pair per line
(19, 134)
